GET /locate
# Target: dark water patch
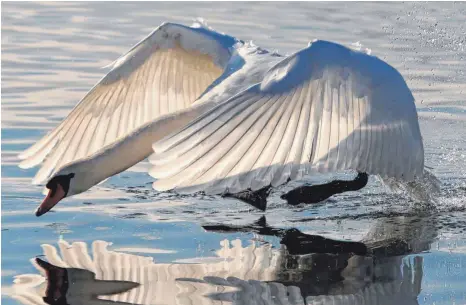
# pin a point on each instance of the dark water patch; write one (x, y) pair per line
(452, 109)
(132, 215)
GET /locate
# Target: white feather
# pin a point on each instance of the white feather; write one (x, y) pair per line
(326, 108)
(164, 73)
(225, 116)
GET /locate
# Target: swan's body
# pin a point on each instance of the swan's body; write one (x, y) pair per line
(223, 116)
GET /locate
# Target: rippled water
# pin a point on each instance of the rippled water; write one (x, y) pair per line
(207, 250)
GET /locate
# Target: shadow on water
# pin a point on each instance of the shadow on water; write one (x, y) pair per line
(305, 269)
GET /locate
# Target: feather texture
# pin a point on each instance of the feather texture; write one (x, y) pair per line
(165, 72)
(323, 109)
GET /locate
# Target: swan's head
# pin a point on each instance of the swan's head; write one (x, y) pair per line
(69, 181)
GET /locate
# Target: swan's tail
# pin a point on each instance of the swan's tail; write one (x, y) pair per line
(424, 189)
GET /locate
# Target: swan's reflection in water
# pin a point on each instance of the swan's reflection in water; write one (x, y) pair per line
(307, 269)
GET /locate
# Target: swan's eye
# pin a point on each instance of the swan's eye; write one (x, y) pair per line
(52, 185)
(63, 180)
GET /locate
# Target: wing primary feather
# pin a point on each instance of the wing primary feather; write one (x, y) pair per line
(150, 102)
(269, 170)
(318, 137)
(125, 111)
(201, 151)
(244, 165)
(353, 116)
(290, 137)
(408, 164)
(176, 82)
(367, 146)
(194, 146)
(113, 125)
(376, 145)
(40, 155)
(157, 81)
(398, 156)
(386, 139)
(257, 164)
(344, 134)
(197, 125)
(142, 95)
(265, 158)
(171, 99)
(335, 131)
(237, 142)
(364, 133)
(93, 142)
(169, 78)
(145, 113)
(73, 115)
(163, 85)
(85, 146)
(360, 130)
(196, 84)
(119, 122)
(343, 130)
(301, 133)
(324, 130)
(309, 136)
(257, 145)
(132, 105)
(296, 151)
(49, 165)
(316, 115)
(391, 172)
(184, 84)
(188, 84)
(81, 145)
(72, 147)
(171, 104)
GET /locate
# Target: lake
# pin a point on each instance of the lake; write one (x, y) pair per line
(124, 242)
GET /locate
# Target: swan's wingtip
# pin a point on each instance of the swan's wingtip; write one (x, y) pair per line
(28, 152)
(156, 186)
(110, 65)
(22, 155)
(25, 164)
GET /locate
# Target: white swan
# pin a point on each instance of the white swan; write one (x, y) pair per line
(225, 116)
(241, 274)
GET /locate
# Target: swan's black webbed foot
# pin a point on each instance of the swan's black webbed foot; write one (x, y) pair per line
(257, 199)
(317, 193)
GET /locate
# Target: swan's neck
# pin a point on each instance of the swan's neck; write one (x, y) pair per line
(137, 146)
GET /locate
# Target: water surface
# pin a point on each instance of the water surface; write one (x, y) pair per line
(208, 250)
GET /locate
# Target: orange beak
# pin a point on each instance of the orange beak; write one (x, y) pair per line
(50, 201)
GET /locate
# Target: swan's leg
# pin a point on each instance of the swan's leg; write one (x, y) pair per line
(318, 193)
(257, 198)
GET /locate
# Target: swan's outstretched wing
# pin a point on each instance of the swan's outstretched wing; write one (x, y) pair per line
(325, 108)
(165, 72)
